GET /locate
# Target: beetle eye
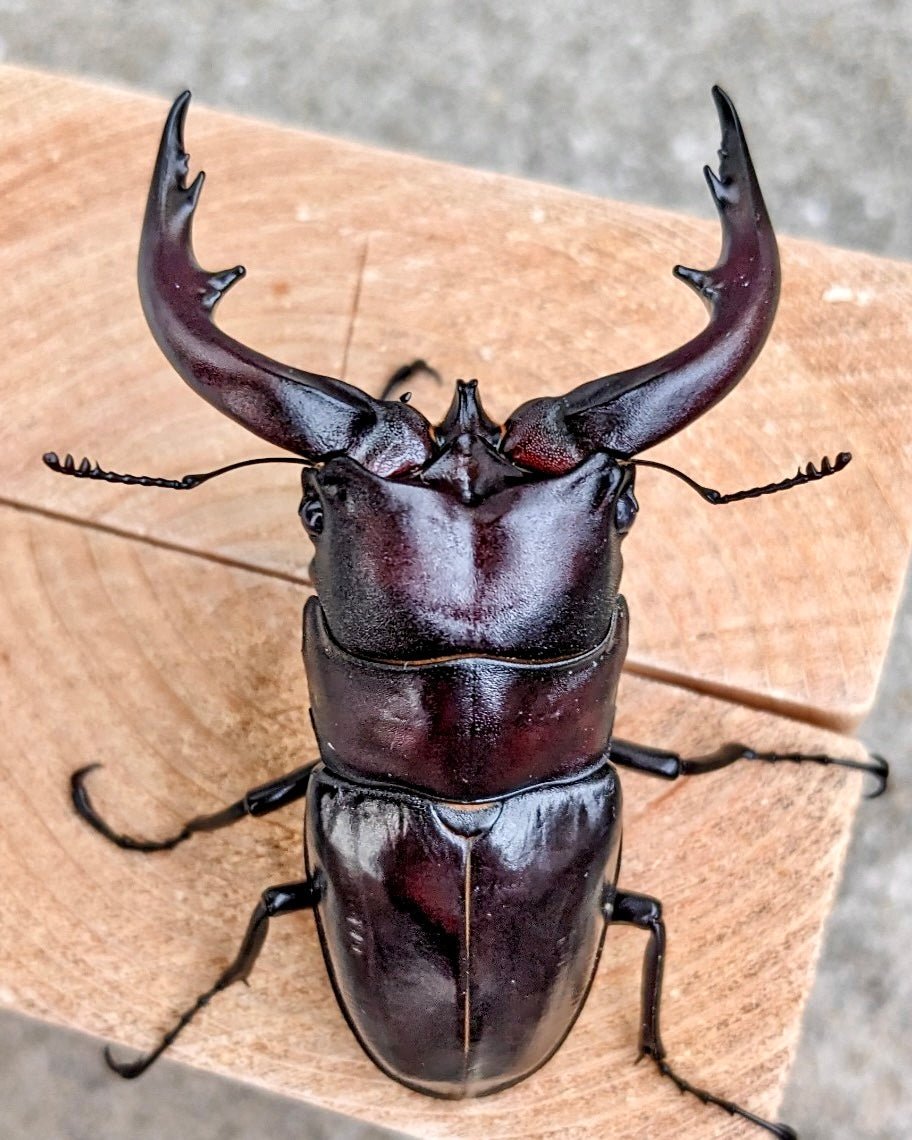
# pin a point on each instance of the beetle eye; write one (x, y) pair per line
(625, 511)
(311, 512)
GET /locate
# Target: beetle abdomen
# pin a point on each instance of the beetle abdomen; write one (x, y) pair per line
(461, 939)
(465, 727)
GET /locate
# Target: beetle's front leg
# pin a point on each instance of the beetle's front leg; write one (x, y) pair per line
(258, 801)
(275, 901)
(646, 914)
(670, 765)
(406, 371)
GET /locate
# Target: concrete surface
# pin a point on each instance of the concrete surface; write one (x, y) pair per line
(615, 101)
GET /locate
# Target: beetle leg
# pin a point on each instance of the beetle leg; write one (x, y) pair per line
(258, 801)
(404, 372)
(645, 913)
(275, 901)
(670, 765)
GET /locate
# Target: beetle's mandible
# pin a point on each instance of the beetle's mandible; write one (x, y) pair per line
(463, 650)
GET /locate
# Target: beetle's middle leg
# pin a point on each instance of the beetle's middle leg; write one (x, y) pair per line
(274, 902)
(671, 765)
(258, 801)
(646, 914)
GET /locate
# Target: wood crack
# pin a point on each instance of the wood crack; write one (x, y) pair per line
(792, 710)
(156, 543)
(356, 302)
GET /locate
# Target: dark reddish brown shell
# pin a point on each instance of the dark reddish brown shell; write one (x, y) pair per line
(461, 942)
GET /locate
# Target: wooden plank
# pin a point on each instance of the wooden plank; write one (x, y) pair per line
(360, 260)
(182, 675)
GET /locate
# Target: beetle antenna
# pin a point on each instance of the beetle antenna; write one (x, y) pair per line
(809, 475)
(88, 470)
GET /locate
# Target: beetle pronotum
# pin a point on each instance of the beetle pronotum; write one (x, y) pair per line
(467, 770)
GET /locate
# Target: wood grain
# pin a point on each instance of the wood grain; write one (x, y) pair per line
(360, 260)
(158, 633)
(182, 675)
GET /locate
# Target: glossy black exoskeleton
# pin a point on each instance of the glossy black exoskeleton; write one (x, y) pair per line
(463, 650)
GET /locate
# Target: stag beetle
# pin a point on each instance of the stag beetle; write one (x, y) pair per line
(462, 650)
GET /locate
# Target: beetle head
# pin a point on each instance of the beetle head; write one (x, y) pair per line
(471, 553)
(466, 535)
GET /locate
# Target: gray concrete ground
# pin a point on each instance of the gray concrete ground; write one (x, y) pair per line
(615, 101)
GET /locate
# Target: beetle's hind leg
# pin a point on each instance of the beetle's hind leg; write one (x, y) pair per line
(258, 801)
(646, 914)
(671, 765)
(274, 902)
